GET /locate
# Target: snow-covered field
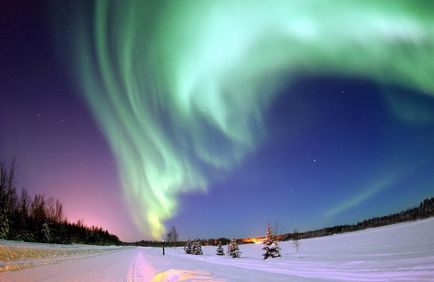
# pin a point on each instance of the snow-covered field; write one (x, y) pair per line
(401, 252)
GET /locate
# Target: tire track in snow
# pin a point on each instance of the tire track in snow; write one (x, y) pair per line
(140, 270)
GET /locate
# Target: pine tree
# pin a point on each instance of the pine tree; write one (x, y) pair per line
(233, 249)
(271, 247)
(188, 247)
(4, 227)
(196, 248)
(46, 232)
(220, 251)
(8, 199)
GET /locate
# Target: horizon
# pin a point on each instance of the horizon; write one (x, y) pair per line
(220, 128)
(360, 225)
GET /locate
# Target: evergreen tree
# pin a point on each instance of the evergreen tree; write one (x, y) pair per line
(220, 251)
(4, 226)
(46, 235)
(271, 247)
(196, 248)
(233, 249)
(8, 199)
(188, 247)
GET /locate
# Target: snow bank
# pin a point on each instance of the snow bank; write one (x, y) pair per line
(19, 255)
(400, 252)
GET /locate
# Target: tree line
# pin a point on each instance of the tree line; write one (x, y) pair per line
(41, 219)
(159, 243)
(424, 210)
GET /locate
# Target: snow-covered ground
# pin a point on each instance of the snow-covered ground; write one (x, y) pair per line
(401, 252)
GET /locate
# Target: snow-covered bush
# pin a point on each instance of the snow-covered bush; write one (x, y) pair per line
(46, 232)
(220, 251)
(233, 249)
(188, 247)
(196, 248)
(271, 247)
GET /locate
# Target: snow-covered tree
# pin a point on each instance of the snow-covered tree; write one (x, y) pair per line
(233, 249)
(196, 248)
(4, 227)
(271, 247)
(46, 232)
(188, 247)
(220, 251)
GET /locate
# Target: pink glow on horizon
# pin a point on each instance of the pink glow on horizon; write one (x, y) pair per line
(88, 189)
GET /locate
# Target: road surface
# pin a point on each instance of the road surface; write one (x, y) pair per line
(136, 264)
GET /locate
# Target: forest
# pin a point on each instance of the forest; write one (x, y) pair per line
(41, 219)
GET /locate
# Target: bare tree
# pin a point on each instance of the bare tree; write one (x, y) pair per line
(54, 210)
(172, 236)
(296, 239)
(50, 209)
(276, 228)
(58, 212)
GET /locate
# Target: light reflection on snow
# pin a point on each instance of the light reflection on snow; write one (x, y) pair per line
(172, 275)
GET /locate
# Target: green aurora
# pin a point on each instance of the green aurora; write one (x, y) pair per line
(164, 80)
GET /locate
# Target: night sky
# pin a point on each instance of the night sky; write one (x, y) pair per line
(138, 116)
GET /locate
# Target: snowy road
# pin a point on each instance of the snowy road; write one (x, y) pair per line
(401, 252)
(133, 264)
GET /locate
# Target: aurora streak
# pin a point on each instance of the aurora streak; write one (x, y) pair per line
(166, 80)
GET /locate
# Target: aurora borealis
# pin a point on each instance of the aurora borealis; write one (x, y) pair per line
(189, 95)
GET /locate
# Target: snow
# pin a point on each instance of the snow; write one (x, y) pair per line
(401, 252)
(20, 255)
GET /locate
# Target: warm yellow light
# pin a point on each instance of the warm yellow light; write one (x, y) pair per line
(252, 240)
(183, 275)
